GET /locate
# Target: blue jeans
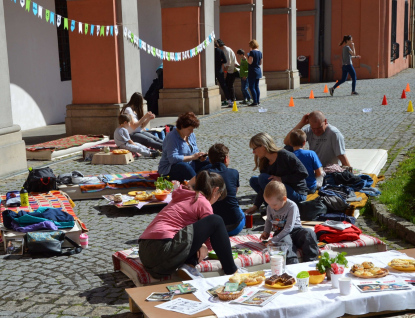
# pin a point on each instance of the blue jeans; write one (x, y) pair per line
(259, 183)
(159, 134)
(240, 226)
(347, 69)
(244, 89)
(254, 87)
(184, 171)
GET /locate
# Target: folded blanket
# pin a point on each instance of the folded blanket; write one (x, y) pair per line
(330, 235)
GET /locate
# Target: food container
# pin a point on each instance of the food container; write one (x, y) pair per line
(161, 196)
(316, 277)
(228, 295)
(249, 221)
(117, 197)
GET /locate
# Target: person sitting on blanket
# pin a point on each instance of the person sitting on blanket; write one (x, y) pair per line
(276, 164)
(134, 108)
(180, 234)
(181, 159)
(308, 158)
(122, 139)
(325, 139)
(283, 217)
(227, 208)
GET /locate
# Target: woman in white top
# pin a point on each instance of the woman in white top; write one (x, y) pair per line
(348, 53)
(134, 108)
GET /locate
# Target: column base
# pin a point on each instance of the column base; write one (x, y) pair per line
(94, 119)
(201, 101)
(282, 80)
(13, 150)
(315, 74)
(238, 93)
(328, 75)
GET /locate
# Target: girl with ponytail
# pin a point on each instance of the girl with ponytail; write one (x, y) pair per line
(348, 53)
(180, 234)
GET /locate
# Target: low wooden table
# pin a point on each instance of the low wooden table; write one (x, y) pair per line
(138, 303)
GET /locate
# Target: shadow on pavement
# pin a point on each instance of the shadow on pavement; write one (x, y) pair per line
(41, 139)
(113, 212)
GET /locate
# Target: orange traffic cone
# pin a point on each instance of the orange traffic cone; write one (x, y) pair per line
(291, 104)
(311, 95)
(407, 89)
(384, 101)
(403, 94)
(326, 90)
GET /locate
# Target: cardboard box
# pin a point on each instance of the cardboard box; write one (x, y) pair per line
(71, 233)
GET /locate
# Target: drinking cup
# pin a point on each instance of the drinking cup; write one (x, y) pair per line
(280, 250)
(335, 280)
(302, 284)
(345, 285)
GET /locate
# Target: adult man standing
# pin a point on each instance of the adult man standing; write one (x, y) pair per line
(220, 61)
(229, 70)
(326, 140)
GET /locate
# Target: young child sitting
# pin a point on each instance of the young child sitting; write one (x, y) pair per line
(243, 74)
(308, 158)
(283, 217)
(228, 208)
(122, 139)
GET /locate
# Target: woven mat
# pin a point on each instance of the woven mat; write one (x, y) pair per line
(54, 199)
(65, 143)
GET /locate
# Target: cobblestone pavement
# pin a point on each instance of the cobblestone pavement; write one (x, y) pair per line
(85, 285)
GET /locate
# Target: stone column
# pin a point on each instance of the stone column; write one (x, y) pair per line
(293, 71)
(240, 22)
(188, 85)
(12, 147)
(105, 69)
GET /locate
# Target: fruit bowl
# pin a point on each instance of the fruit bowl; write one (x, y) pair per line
(161, 196)
(316, 277)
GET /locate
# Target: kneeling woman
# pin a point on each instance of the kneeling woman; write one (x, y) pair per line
(276, 164)
(181, 233)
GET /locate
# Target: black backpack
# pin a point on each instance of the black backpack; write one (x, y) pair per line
(40, 180)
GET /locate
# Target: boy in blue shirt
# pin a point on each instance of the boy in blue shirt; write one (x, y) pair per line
(307, 157)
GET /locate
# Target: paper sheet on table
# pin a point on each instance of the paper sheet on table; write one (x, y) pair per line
(184, 306)
(322, 299)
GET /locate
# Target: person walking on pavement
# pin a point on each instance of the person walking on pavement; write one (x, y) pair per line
(254, 71)
(220, 61)
(348, 53)
(229, 70)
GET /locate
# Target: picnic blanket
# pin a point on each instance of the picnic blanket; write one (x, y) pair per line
(140, 179)
(54, 199)
(65, 143)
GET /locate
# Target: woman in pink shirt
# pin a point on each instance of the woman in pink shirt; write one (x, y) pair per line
(181, 233)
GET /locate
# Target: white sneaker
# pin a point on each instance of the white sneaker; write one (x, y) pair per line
(188, 272)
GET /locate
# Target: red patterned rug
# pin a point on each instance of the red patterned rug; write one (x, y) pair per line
(65, 143)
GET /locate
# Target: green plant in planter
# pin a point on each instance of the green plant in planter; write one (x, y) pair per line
(163, 184)
(324, 262)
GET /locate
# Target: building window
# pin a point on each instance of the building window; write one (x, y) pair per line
(407, 43)
(394, 45)
(63, 42)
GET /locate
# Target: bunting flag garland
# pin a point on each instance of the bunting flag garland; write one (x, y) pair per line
(107, 30)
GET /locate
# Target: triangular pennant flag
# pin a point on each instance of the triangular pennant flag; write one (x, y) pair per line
(135, 40)
(52, 18)
(92, 29)
(80, 27)
(161, 54)
(112, 30)
(34, 8)
(168, 56)
(28, 5)
(22, 3)
(58, 20)
(140, 43)
(102, 31)
(164, 55)
(98, 29)
(39, 12)
(86, 28)
(47, 15)
(195, 51)
(191, 53)
(158, 53)
(148, 48)
(210, 37)
(116, 30)
(107, 30)
(125, 31)
(183, 55)
(132, 37)
(213, 34)
(179, 56)
(129, 35)
(143, 45)
(14, 1)
(72, 25)
(176, 56)
(65, 23)
(154, 51)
